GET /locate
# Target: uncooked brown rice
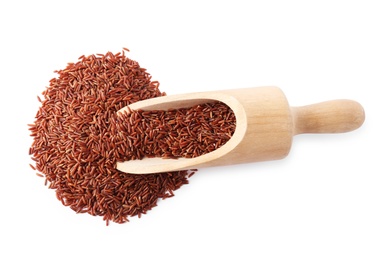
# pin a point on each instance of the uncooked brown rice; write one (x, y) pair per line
(78, 138)
(186, 132)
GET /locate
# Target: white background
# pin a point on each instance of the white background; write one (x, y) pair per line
(329, 199)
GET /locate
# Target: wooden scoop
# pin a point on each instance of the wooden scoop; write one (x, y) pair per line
(265, 126)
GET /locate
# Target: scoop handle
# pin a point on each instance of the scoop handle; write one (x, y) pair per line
(335, 116)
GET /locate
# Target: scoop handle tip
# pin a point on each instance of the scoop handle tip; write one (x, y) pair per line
(335, 116)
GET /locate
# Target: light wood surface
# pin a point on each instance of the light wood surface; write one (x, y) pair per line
(265, 126)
